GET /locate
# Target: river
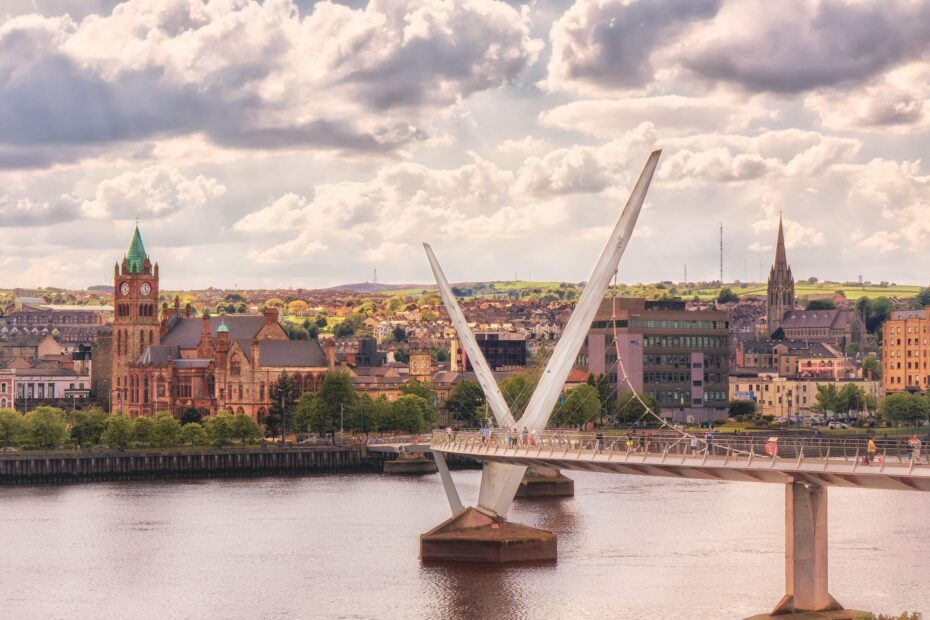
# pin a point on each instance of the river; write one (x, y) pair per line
(345, 546)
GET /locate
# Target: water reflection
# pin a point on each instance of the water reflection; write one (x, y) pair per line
(347, 546)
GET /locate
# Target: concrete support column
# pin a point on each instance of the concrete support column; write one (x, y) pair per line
(805, 551)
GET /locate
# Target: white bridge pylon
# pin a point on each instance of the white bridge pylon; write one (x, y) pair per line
(499, 481)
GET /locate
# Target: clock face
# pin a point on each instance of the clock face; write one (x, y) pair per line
(124, 288)
(146, 288)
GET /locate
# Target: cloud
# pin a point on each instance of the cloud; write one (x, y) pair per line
(152, 192)
(604, 45)
(25, 212)
(253, 74)
(797, 235)
(882, 241)
(674, 114)
(897, 101)
(795, 46)
(281, 216)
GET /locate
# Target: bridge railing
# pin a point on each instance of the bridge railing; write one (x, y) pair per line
(553, 442)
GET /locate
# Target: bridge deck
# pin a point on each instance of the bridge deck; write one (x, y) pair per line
(743, 460)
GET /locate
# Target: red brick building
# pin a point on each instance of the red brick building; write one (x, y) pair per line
(175, 361)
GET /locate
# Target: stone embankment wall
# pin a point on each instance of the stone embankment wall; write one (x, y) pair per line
(79, 466)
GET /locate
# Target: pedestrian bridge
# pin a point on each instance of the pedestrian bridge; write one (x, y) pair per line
(812, 461)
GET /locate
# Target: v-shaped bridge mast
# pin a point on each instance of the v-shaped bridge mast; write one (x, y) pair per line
(499, 481)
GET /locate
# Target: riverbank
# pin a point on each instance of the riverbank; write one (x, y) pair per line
(64, 466)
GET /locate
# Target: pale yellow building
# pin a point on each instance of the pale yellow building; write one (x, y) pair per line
(782, 397)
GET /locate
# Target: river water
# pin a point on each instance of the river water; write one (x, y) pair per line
(346, 547)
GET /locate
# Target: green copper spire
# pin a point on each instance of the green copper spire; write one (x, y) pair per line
(222, 329)
(136, 253)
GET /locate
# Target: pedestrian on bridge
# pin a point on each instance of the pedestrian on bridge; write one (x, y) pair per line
(870, 451)
(918, 445)
(525, 437)
(709, 439)
(485, 434)
(694, 445)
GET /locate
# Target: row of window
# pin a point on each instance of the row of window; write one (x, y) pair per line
(659, 324)
(686, 342)
(39, 391)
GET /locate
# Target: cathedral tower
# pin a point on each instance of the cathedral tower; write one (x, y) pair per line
(781, 285)
(135, 324)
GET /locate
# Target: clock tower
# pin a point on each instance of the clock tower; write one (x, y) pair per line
(135, 324)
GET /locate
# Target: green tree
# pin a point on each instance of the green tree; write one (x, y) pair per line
(628, 408)
(245, 430)
(368, 415)
(904, 408)
(191, 415)
(335, 397)
(820, 304)
(166, 430)
(321, 321)
(727, 296)
(399, 334)
(923, 297)
(408, 414)
(874, 312)
(283, 394)
(194, 434)
(46, 428)
(220, 429)
(143, 431)
(581, 405)
(464, 400)
(517, 389)
(118, 432)
(871, 364)
(12, 427)
(827, 398)
(850, 398)
(88, 427)
(603, 392)
(742, 407)
(311, 415)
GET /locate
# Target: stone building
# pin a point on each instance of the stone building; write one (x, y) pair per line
(906, 351)
(178, 361)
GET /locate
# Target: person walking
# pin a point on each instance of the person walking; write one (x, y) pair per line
(525, 436)
(694, 445)
(918, 445)
(485, 434)
(599, 442)
(709, 439)
(870, 451)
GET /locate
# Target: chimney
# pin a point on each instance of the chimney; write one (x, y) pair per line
(330, 350)
(271, 315)
(177, 306)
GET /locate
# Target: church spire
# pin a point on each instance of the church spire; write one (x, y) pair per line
(136, 254)
(780, 257)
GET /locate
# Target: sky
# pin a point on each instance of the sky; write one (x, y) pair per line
(305, 144)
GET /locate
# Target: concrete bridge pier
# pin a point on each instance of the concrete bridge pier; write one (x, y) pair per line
(542, 482)
(805, 551)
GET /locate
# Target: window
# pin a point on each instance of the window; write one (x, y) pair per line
(51, 390)
(235, 368)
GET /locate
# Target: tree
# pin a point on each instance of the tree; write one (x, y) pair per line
(193, 434)
(245, 430)
(399, 334)
(118, 432)
(827, 398)
(368, 415)
(923, 297)
(726, 296)
(220, 429)
(321, 321)
(12, 427)
(871, 365)
(517, 389)
(418, 388)
(603, 392)
(905, 408)
(88, 427)
(850, 398)
(873, 311)
(464, 400)
(191, 415)
(166, 430)
(283, 394)
(408, 414)
(628, 408)
(820, 304)
(582, 405)
(143, 431)
(46, 428)
(742, 407)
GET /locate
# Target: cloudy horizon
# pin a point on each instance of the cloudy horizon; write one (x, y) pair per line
(304, 144)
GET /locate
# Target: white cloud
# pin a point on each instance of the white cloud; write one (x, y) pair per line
(152, 192)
